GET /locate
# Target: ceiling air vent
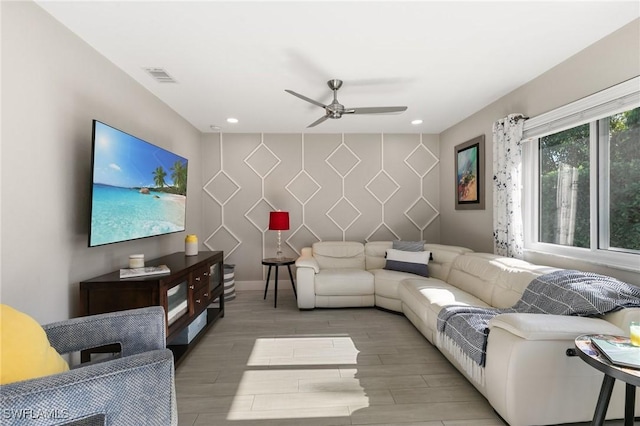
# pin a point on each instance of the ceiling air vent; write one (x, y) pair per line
(160, 75)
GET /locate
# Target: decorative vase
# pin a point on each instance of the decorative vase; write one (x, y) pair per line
(191, 245)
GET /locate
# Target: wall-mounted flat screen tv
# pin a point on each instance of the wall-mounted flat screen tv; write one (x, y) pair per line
(138, 190)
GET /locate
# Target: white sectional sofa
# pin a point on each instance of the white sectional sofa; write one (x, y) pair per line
(528, 377)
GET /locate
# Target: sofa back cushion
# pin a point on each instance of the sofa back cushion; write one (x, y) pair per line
(339, 254)
(623, 317)
(439, 266)
(475, 274)
(443, 258)
(375, 254)
(496, 280)
(513, 280)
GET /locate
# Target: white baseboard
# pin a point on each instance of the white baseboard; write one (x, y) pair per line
(283, 285)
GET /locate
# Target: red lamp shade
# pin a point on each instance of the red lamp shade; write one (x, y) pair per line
(278, 221)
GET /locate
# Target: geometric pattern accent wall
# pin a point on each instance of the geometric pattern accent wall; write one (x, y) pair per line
(356, 187)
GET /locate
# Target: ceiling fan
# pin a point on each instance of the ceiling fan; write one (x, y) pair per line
(335, 109)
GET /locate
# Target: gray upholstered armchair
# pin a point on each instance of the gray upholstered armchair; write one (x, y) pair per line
(137, 388)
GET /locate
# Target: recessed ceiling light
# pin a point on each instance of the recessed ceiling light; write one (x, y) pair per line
(232, 120)
(215, 128)
(416, 122)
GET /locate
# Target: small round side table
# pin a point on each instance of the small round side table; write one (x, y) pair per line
(589, 354)
(277, 262)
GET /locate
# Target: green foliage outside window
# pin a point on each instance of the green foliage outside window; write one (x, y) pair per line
(571, 149)
(624, 206)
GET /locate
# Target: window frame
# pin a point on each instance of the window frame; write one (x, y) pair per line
(590, 110)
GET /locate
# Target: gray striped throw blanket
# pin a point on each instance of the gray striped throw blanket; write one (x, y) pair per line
(564, 292)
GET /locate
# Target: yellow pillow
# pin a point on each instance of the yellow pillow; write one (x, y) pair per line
(25, 352)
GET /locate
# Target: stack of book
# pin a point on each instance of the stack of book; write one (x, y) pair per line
(147, 270)
(618, 351)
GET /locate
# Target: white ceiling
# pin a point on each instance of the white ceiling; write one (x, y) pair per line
(444, 60)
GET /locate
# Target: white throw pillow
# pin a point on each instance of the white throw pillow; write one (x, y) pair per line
(413, 262)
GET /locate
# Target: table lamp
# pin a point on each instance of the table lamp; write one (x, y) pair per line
(279, 221)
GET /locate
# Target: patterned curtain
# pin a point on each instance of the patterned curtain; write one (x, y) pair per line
(508, 237)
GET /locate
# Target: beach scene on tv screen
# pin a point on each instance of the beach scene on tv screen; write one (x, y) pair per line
(139, 189)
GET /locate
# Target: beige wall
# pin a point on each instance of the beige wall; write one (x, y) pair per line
(53, 85)
(611, 60)
(359, 187)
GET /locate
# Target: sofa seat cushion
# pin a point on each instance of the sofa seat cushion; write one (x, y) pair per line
(344, 282)
(387, 282)
(427, 296)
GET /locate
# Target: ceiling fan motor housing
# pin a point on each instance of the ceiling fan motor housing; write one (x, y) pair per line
(334, 109)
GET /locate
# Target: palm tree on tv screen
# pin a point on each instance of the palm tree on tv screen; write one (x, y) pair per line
(158, 176)
(179, 176)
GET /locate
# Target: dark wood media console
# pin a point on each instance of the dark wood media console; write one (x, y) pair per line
(185, 293)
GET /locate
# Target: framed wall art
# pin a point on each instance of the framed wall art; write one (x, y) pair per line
(469, 169)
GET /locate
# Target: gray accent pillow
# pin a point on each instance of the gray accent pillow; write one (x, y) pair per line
(408, 245)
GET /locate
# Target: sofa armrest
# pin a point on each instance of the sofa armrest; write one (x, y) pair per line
(552, 327)
(119, 389)
(306, 269)
(137, 331)
(306, 260)
(530, 366)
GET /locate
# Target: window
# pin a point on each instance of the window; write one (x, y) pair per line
(623, 207)
(582, 181)
(563, 207)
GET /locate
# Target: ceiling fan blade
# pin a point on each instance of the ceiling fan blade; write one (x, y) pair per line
(304, 98)
(318, 121)
(375, 110)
